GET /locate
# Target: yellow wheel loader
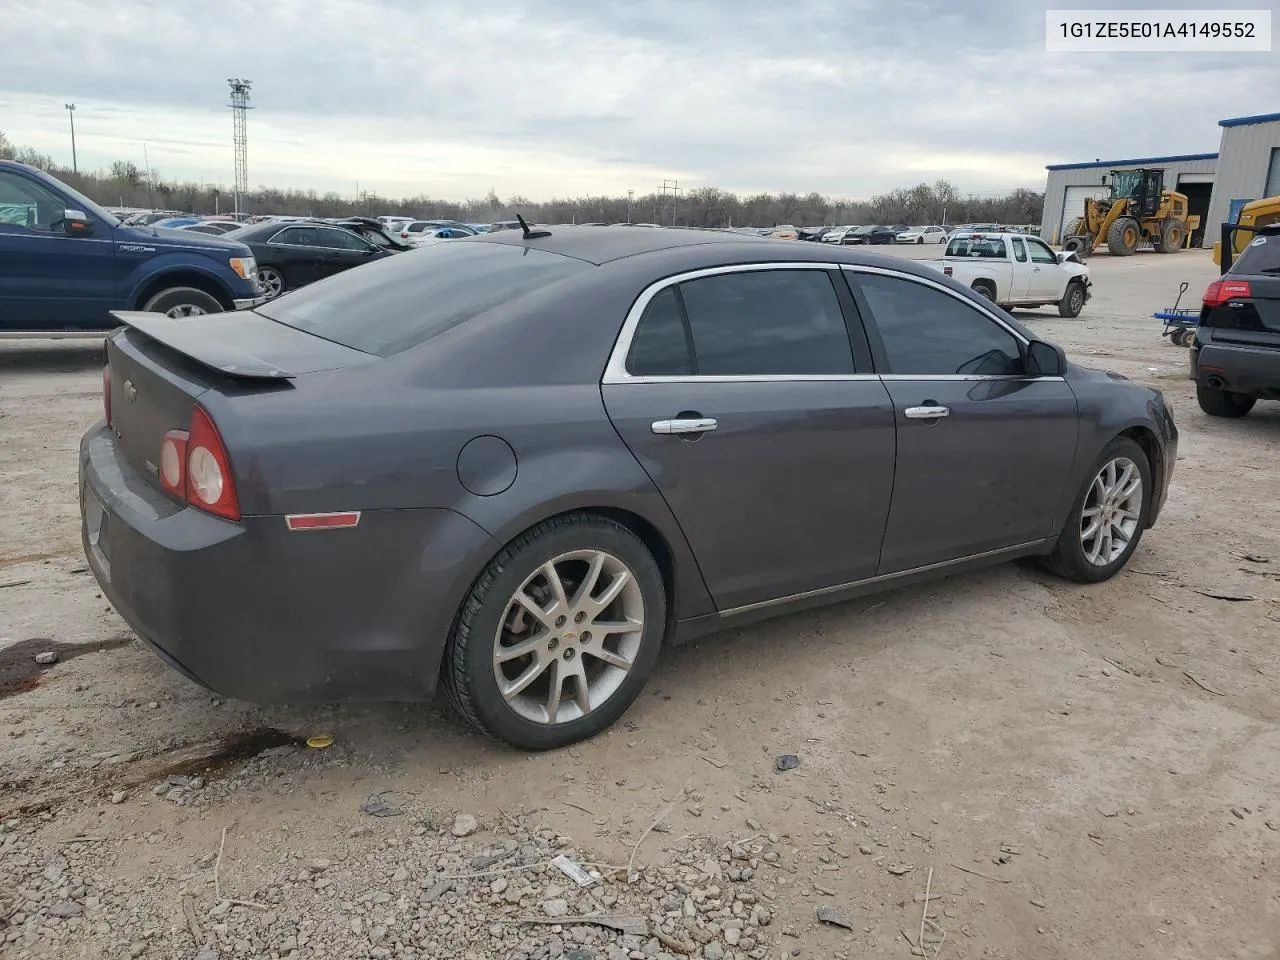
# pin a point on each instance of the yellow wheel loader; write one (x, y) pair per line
(1255, 214)
(1138, 210)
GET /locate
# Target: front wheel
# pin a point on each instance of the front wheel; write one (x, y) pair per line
(1072, 301)
(1108, 516)
(271, 281)
(558, 635)
(1223, 403)
(179, 302)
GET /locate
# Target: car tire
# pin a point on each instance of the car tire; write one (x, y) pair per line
(1070, 558)
(919, 239)
(179, 302)
(1223, 403)
(271, 282)
(567, 547)
(1072, 301)
(985, 291)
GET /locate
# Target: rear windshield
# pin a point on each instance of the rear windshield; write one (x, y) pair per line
(391, 305)
(977, 247)
(1262, 255)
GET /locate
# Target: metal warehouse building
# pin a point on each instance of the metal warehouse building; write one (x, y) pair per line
(1246, 167)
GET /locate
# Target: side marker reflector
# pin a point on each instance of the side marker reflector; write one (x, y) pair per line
(322, 521)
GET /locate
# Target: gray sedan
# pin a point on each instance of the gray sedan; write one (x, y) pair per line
(521, 464)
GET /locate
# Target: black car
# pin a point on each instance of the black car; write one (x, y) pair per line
(375, 232)
(871, 235)
(1235, 357)
(298, 252)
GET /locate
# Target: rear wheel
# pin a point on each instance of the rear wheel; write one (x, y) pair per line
(1223, 403)
(1122, 238)
(178, 302)
(558, 635)
(1072, 301)
(1108, 517)
(1172, 233)
(985, 290)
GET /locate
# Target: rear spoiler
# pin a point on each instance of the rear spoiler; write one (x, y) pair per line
(186, 337)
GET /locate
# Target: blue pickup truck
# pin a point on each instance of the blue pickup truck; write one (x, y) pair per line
(65, 263)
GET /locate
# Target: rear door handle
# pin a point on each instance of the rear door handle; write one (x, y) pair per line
(926, 413)
(697, 425)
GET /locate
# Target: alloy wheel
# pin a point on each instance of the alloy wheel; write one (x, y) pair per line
(271, 282)
(185, 310)
(569, 637)
(1112, 511)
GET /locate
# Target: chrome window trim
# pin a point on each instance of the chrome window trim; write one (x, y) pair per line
(29, 234)
(941, 287)
(615, 370)
(281, 232)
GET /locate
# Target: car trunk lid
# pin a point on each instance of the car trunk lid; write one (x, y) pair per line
(160, 366)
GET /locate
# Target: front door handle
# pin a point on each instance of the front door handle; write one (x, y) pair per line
(675, 427)
(926, 413)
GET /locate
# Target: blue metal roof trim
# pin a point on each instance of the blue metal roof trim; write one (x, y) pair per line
(1245, 121)
(1184, 158)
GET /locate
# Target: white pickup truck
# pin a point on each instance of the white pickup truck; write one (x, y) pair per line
(1015, 270)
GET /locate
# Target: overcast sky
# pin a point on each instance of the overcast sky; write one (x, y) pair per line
(566, 97)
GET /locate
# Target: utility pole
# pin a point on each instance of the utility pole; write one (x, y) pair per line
(71, 113)
(674, 187)
(631, 196)
(151, 200)
(240, 136)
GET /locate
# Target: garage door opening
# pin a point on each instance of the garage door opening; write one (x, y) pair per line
(1073, 204)
(1198, 195)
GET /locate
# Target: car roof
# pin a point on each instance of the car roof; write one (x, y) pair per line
(695, 247)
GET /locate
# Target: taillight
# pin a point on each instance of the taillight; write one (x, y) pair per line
(173, 462)
(1220, 291)
(946, 271)
(106, 391)
(209, 481)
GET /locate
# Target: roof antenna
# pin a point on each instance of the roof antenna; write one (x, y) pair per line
(531, 234)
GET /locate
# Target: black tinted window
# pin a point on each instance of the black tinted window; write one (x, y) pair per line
(926, 331)
(769, 322)
(339, 239)
(394, 303)
(660, 347)
(1262, 255)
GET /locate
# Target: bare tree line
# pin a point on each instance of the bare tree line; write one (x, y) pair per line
(125, 184)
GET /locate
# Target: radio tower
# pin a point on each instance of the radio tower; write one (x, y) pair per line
(239, 113)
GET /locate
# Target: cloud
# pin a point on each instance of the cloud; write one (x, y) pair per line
(543, 97)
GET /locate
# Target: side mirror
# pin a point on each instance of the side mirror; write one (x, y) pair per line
(1045, 359)
(76, 223)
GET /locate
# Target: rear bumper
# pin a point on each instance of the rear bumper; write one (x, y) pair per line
(1236, 367)
(256, 612)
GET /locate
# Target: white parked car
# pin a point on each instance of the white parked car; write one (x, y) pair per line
(416, 231)
(1016, 271)
(922, 235)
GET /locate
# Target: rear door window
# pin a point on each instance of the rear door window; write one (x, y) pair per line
(395, 303)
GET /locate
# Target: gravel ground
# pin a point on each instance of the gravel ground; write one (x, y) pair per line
(1067, 771)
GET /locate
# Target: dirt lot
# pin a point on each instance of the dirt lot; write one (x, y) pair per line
(1071, 771)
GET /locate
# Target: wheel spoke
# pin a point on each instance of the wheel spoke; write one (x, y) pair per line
(576, 672)
(530, 673)
(611, 657)
(609, 627)
(544, 617)
(1125, 477)
(1129, 514)
(601, 603)
(1096, 550)
(1099, 491)
(1091, 531)
(522, 649)
(588, 585)
(1133, 487)
(549, 571)
(555, 689)
(1089, 512)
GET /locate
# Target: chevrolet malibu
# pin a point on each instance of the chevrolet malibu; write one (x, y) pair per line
(522, 463)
